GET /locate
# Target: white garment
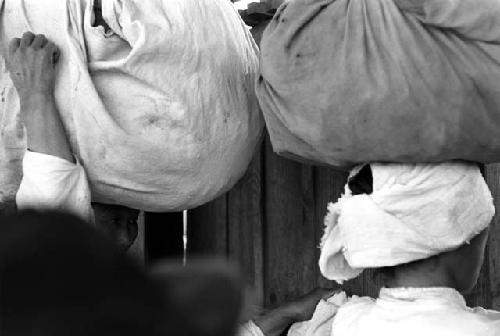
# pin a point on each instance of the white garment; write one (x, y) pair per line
(321, 322)
(53, 183)
(397, 312)
(415, 211)
(319, 325)
(250, 329)
(414, 312)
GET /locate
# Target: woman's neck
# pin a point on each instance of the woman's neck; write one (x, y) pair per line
(420, 279)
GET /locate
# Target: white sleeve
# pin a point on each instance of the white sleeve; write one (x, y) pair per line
(473, 19)
(53, 183)
(321, 322)
(250, 329)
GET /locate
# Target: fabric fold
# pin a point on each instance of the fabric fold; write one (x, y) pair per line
(52, 183)
(415, 211)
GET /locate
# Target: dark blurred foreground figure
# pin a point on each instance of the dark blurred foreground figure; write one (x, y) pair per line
(204, 298)
(60, 277)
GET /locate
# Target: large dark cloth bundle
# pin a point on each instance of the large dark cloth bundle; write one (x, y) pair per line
(349, 81)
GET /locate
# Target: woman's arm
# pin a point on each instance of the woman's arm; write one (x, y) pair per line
(32, 65)
(52, 179)
(45, 131)
(276, 321)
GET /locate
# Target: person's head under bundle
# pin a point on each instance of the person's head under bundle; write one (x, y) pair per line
(120, 223)
(59, 276)
(424, 228)
(420, 226)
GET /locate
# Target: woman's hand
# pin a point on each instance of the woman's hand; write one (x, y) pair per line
(31, 63)
(276, 321)
(303, 309)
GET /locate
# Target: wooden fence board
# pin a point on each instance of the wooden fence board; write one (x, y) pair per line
(481, 294)
(245, 232)
(328, 187)
(290, 256)
(207, 230)
(493, 260)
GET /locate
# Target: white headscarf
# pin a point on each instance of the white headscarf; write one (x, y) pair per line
(415, 211)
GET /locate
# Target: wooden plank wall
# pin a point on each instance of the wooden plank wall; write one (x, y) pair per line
(272, 221)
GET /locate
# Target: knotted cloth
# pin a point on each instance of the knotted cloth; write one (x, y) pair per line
(414, 212)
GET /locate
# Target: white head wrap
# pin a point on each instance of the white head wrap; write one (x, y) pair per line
(415, 211)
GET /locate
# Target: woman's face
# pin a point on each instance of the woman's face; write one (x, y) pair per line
(118, 222)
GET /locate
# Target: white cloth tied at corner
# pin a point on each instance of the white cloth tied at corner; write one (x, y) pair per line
(52, 183)
(319, 325)
(415, 211)
(321, 322)
(250, 329)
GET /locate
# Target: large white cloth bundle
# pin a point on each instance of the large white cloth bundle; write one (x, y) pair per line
(351, 81)
(414, 212)
(11, 133)
(162, 113)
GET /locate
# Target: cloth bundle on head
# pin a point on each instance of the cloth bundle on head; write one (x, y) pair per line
(414, 212)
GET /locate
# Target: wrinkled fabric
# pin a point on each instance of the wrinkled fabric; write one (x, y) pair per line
(345, 82)
(414, 312)
(320, 323)
(53, 183)
(414, 212)
(250, 329)
(436, 311)
(161, 111)
(12, 138)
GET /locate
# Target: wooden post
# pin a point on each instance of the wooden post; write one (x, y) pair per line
(491, 270)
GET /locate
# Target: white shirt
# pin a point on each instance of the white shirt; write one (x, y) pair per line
(53, 183)
(320, 323)
(412, 312)
(250, 329)
(397, 312)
